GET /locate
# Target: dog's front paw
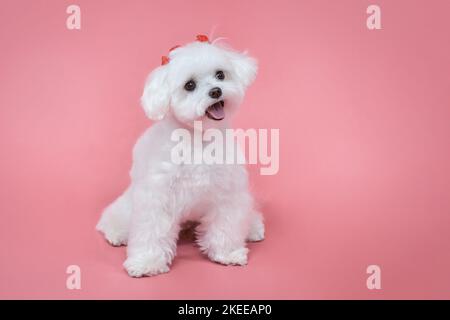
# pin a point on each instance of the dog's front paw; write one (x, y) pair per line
(145, 265)
(116, 239)
(115, 234)
(256, 232)
(236, 257)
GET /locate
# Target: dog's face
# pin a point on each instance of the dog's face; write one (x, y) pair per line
(202, 81)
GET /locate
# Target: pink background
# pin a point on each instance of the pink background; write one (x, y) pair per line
(364, 153)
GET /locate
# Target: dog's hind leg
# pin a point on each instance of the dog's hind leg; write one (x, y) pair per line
(115, 219)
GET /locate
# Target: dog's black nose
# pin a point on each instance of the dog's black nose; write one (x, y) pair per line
(215, 93)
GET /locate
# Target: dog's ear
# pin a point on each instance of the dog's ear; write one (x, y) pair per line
(156, 97)
(245, 67)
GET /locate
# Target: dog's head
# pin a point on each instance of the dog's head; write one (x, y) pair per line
(198, 81)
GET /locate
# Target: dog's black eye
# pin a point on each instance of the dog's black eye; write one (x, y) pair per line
(220, 75)
(190, 85)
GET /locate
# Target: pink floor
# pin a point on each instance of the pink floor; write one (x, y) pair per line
(364, 145)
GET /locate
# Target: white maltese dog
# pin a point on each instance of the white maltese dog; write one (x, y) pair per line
(200, 81)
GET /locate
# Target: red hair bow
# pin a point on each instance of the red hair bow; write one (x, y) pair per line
(200, 38)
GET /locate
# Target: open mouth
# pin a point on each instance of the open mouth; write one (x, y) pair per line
(215, 111)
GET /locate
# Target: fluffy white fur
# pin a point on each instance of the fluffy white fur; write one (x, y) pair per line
(163, 195)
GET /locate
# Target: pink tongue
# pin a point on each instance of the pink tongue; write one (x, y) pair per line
(216, 111)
